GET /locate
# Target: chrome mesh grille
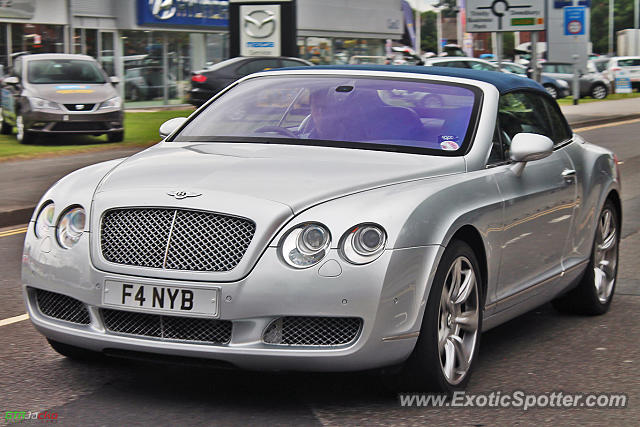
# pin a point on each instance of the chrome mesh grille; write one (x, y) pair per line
(212, 331)
(62, 307)
(313, 331)
(175, 239)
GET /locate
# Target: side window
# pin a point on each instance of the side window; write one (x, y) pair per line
(565, 69)
(452, 64)
(257, 65)
(522, 112)
(559, 127)
(481, 66)
(292, 63)
(497, 154)
(17, 68)
(548, 68)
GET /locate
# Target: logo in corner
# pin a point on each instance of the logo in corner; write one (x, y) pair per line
(183, 194)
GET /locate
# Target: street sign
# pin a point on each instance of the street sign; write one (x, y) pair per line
(505, 15)
(574, 19)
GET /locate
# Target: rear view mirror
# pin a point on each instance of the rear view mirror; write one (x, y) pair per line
(171, 125)
(114, 80)
(527, 147)
(11, 80)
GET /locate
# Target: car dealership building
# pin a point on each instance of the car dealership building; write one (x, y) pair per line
(153, 45)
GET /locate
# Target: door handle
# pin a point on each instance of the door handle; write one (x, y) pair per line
(569, 175)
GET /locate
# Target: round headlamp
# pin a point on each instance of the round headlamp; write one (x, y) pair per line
(306, 245)
(45, 220)
(363, 243)
(70, 227)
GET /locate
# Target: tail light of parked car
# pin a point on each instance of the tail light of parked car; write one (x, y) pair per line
(198, 78)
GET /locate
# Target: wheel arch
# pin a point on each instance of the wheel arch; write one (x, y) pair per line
(471, 236)
(614, 196)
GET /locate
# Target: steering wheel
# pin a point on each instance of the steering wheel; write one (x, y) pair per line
(277, 129)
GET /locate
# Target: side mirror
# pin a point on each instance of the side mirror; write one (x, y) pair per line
(527, 147)
(114, 80)
(171, 125)
(11, 80)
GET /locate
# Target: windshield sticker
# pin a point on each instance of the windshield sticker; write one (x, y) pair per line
(448, 142)
(73, 89)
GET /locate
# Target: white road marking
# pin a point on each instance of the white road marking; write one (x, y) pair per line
(15, 319)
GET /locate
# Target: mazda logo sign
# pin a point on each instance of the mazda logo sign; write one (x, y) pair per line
(260, 24)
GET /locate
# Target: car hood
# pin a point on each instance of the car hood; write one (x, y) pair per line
(296, 176)
(73, 93)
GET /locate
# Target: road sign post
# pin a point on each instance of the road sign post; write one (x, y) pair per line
(499, 16)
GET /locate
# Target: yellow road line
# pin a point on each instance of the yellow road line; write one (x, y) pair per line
(15, 319)
(606, 125)
(13, 232)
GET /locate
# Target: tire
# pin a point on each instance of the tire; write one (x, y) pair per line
(594, 291)
(5, 128)
(134, 95)
(115, 136)
(74, 353)
(23, 136)
(551, 90)
(432, 365)
(599, 91)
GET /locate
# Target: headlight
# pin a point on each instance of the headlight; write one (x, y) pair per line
(70, 227)
(42, 104)
(563, 84)
(44, 220)
(363, 243)
(306, 245)
(114, 102)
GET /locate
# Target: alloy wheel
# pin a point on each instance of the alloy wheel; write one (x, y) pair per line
(605, 256)
(599, 92)
(19, 128)
(458, 320)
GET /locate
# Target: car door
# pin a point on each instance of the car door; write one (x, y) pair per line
(539, 203)
(556, 71)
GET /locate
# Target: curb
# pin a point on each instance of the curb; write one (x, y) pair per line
(596, 122)
(16, 216)
(23, 215)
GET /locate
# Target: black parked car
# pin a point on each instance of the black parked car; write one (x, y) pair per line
(206, 83)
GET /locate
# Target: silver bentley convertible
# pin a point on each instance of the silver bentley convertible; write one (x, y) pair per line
(328, 219)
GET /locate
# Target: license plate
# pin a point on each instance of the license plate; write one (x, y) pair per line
(165, 299)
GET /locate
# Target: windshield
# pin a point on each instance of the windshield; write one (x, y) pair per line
(375, 113)
(51, 71)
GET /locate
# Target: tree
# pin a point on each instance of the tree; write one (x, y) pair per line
(623, 18)
(429, 33)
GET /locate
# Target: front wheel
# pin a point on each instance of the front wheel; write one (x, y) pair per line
(594, 292)
(22, 135)
(551, 90)
(449, 340)
(115, 136)
(599, 91)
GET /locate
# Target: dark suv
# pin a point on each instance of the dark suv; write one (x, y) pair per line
(60, 94)
(206, 83)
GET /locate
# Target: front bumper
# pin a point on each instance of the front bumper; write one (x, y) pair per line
(388, 295)
(46, 122)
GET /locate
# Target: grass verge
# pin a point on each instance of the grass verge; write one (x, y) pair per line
(141, 129)
(612, 96)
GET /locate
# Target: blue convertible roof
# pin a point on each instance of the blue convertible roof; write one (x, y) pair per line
(504, 82)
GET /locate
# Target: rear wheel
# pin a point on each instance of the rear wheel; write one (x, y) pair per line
(73, 352)
(599, 91)
(551, 90)
(22, 135)
(594, 292)
(450, 335)
(115, 136)
(5, 128)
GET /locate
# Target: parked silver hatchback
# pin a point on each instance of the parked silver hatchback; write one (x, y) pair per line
(60, 94)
